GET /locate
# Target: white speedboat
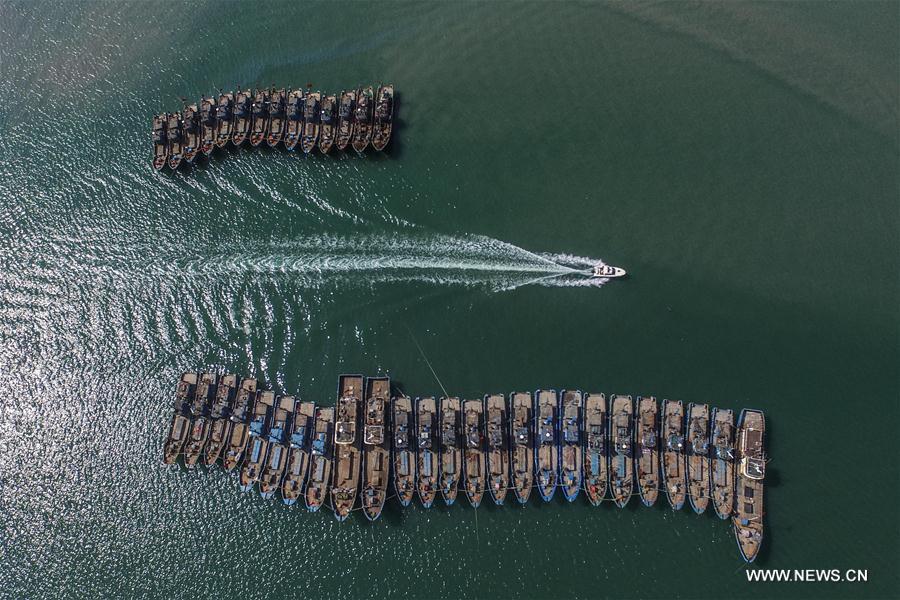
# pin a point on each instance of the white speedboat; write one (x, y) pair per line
(607, 271)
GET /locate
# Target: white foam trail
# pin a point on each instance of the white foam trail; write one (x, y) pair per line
(436, 259)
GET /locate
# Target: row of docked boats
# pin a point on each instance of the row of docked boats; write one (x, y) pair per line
(370, 445)
(290, 117)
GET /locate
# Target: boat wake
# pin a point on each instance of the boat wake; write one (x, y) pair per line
(436, 259)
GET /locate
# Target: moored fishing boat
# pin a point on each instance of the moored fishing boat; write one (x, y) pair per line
(328, 118)
(347, 449)
(384, 117)
(294, 126)
(698, 456)
(522, 452)
(403, 456)
(277, 114)
(346, 112)
(427, 457)
(224, 118)
(362, 118)
(181, 421)
(243, 116)
(571, 457)
(546, 457)
(208, 125)
(473, 463)
(648, 449)
(321, 459)
(748, 508)
(673, 453)
(451, 452)
(218, 418)
(497, 421)
(259, 117)
(596, 472)
(174, 140)
(276, 457)
(160, 143)
(299, 438)
(376, 446)
(238, 432)
(311, 116)
(722, 468)
(622, 468)
(200, 408)
(190, 121)
(255, 456)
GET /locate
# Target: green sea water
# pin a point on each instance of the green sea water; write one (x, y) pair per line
(739, 159)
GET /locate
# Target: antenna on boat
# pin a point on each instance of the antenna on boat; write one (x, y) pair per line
(427, 362)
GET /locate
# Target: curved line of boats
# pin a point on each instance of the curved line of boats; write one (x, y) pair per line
(293, 117)
(350, 455)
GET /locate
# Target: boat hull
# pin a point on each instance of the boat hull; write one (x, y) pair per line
(522, 445)
(546, 440)
(473, 455)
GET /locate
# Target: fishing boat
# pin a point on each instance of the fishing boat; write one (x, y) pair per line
(311, 118)
(722, 468)
(608, 272)
(181, 420)
(497, 422)
(473, 464)
(403, 455)
(328, 117)
(698, 456)
(238, 433)
(276, 458)
(427, 456)
(190, 120)
(174, 140)
(243, 116)
(596, 471)
(259, 118)
(277, 115)
(160, 143)
(346, 112)
(299, 438)
(384, 117)
(622, 467)
(362, 117)
(322, 456)
(208, 125)
(571, 456)
(376, 447)
(200, 408)
(347, 450)
(522, 452)
(451, 451)
(294, 126)
(224, 118)
(648, 450)
(546, 448)
(218, 418)
(255, 456)
(673, 453)
(748, 508)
